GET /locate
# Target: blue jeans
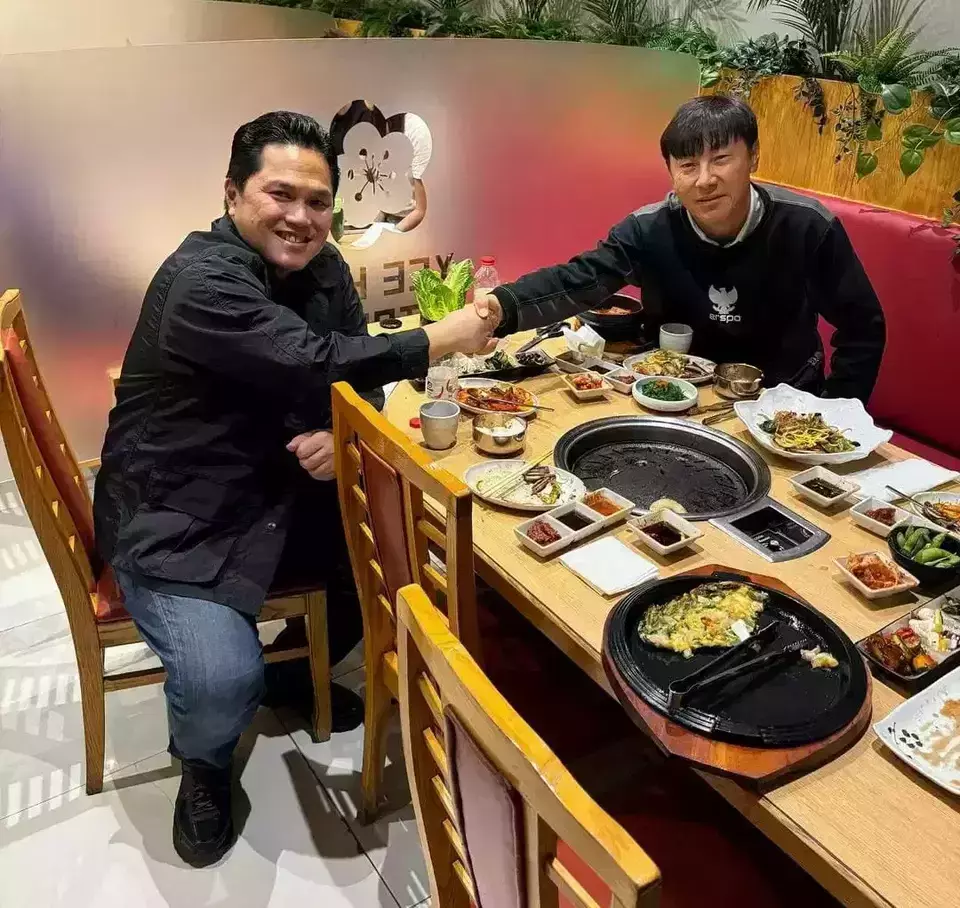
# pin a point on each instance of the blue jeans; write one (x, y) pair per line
(214, 663)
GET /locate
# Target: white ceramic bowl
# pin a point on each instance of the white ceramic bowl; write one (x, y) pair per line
(909, 581)
(858, 515)
(847, 415)
(846, 487)
(665, 406)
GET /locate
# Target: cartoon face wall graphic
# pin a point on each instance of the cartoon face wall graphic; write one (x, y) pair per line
(382, 162)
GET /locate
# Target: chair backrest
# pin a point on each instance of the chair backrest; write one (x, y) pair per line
(45, 469)
(492, 801)
(406, 520)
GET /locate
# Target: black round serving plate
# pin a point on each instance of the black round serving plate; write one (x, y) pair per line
(785, 707)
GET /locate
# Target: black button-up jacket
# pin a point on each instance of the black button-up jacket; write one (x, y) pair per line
(226, 364)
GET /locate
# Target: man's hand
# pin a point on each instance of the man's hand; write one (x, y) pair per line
(463, 331)
(488, 307)
(314, 450)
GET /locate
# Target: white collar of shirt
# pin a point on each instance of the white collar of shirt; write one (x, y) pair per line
(749, 225)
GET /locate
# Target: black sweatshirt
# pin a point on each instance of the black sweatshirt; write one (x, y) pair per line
(756, 301)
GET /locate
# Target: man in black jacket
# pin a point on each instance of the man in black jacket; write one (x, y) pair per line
(218, 437)
(750, 268)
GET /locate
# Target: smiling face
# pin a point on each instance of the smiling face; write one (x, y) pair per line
(285, 209)
(715, 187)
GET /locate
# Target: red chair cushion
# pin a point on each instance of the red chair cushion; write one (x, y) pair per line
(706, 852)
(385, 507)
(910, 262)
(54, 458)
(490, 819)
(108, 602)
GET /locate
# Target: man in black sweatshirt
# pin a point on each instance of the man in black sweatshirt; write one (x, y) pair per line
(750, 268)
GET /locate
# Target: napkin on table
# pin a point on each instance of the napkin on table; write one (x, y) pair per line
(909, 476)
(609, 566)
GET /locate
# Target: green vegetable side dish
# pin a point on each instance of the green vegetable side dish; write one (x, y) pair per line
(926, 547)
(437, 296)
(663, 390)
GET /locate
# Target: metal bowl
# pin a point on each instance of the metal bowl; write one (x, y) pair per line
(499, 433)
(737, 380)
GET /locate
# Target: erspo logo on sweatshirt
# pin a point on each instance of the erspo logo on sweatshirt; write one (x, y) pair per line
(724, 302)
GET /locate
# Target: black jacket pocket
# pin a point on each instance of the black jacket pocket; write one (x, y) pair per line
(185, 530)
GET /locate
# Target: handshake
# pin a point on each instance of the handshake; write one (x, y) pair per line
(468, 330)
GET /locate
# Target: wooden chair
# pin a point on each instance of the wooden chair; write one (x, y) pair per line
(394, 539)
(58, 503)
(492, 801)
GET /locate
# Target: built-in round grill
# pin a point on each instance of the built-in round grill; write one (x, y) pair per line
(645, 458)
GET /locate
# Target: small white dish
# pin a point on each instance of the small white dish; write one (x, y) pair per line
(909, 581)
(571, 361)
(622, 380)
(594, 522)
(859, 516)
(609, 566)
(544, 551)
(846, 487)
(624, 506)
(665, 406)
(921, 730)
(688, 532)
(587, 393)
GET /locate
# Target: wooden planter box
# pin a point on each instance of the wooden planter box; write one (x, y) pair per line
(793, 153)
(352, 28)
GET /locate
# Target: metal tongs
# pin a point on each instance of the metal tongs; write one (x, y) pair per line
(679, 692)
(928, 511)
(554, 330)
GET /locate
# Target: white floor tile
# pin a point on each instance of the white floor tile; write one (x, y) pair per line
(39, 632)
(106, 850)
(27, 588)
(392, 842)
(294, 847)
(41, 726)
(113, 850)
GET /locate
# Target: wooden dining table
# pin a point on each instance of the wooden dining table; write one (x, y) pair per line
(867, 827)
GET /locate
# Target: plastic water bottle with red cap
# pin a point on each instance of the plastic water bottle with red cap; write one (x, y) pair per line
(486, 277)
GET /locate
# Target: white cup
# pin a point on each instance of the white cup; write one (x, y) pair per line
(438, 422)
(676, 337)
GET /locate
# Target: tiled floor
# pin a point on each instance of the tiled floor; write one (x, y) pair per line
(300, 842)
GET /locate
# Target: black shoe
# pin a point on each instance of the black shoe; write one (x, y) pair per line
(288, 685)
(202, 816)
(346, 707)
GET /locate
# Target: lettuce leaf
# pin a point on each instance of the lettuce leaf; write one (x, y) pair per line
(460, 279)
(436, 296)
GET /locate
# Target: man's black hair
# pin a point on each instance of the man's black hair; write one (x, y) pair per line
(708, 122)
(279, 127)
